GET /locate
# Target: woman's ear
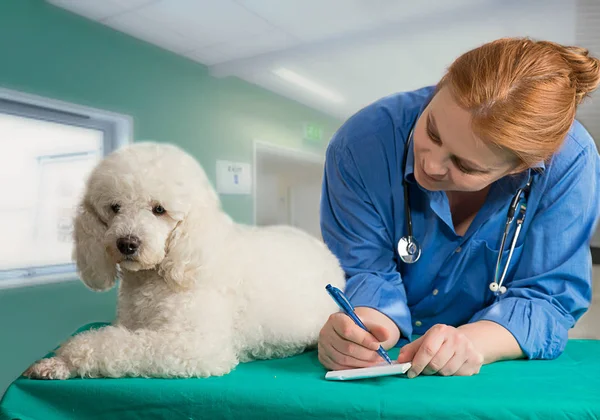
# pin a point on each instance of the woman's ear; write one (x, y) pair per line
(97, 270)
(181, 266)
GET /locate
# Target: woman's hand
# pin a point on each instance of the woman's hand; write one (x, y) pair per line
(344, 345)
(442, 350)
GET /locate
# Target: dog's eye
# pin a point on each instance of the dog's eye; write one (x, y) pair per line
(158, 210)
(115, 208)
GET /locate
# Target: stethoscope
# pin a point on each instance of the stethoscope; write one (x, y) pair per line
(409, 248)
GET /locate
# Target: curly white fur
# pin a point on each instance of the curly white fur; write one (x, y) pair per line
(201, 293)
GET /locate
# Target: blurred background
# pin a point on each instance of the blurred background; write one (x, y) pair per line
(254, 89)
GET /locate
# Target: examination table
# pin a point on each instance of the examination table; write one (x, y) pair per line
(295, 388)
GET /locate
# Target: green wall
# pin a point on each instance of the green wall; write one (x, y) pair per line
(49, 52)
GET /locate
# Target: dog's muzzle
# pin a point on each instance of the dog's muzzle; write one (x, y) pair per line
(129, 245)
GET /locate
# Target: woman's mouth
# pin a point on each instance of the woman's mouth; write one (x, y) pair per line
(429, 178)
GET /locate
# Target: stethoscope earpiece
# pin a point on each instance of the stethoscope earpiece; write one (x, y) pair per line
(496, 288)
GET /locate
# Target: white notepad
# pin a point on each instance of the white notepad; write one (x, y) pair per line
(368, 372)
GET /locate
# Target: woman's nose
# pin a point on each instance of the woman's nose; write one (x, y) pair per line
(435, 169)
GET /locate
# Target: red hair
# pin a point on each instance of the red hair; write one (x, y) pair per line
(523, 94)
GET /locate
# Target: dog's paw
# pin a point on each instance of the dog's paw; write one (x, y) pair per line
(52, 368)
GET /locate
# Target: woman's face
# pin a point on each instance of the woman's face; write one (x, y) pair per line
(448, 155)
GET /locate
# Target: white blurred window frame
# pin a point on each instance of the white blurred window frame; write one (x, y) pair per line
(587, 35)
(118, 132)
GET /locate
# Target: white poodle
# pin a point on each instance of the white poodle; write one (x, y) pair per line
(198, 293)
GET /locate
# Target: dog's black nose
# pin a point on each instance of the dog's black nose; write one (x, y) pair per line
(128, 245)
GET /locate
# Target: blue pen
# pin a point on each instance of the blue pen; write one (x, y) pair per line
(348, 309)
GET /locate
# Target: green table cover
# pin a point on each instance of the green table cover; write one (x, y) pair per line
(295, 388)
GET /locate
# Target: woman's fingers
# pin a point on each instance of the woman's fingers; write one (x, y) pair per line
(341, 345)
(348, 330)
(443, 356)
(443, 350)
(453, 365)
(328, 362)
(353, 350)
(431, 344)
(407, 352)
(473, 360)
(343, 360)
(470, 367)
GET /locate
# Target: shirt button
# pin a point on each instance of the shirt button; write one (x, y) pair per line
(418, 323)
(458, 249)
(435, 292)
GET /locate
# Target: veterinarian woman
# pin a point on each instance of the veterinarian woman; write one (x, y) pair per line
(447, 162)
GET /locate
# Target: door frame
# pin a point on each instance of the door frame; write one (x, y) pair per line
(283, 152)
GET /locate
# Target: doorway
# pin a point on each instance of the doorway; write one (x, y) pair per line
(287, 188)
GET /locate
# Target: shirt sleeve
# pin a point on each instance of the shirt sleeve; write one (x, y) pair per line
(355, 232)
(551, 288)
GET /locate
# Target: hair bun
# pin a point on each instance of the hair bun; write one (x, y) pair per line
(586, 70)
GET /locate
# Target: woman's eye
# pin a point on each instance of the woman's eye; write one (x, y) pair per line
(115, 208)
(434, 138)
(463, 169)
(158, 210)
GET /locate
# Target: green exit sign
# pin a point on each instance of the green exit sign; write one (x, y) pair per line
(313, 133)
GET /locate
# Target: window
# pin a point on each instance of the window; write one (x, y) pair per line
(588, 36)
(47, 150)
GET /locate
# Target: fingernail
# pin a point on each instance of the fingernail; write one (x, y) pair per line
(411, 374)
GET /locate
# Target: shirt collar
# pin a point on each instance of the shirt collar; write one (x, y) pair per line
(409, 171)
(410, 159)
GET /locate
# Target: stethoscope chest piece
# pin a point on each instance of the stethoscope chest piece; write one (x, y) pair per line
(409, 249)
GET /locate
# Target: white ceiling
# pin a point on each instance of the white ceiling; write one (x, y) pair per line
(359, 50)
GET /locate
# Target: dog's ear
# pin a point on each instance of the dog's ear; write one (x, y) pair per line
(94, 265)
(181, 265)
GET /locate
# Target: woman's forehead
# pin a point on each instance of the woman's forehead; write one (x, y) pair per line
(454, 126)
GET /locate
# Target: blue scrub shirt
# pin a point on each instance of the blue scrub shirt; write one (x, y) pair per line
(363, 218)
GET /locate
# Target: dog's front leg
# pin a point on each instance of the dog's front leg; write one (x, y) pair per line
(86, 354)
(117, 352)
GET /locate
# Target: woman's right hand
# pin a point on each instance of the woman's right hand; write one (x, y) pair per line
(344, 345)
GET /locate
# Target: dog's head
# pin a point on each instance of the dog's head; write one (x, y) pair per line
(142, 209)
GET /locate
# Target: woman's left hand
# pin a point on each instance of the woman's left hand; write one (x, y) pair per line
(442, 350)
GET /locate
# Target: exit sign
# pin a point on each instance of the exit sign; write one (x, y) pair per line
(313, 133)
